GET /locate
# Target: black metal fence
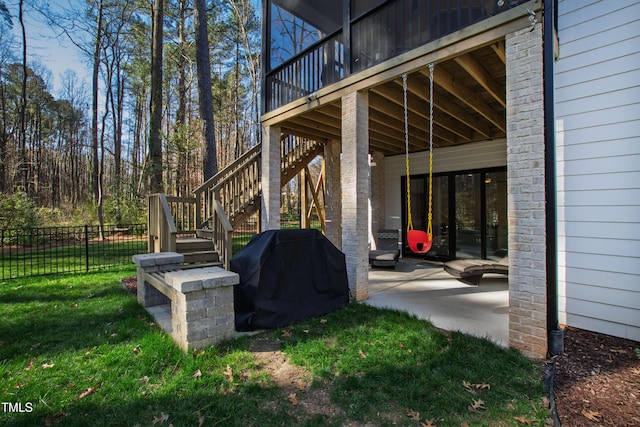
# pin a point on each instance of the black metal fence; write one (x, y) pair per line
(242, 234)
(50, 250)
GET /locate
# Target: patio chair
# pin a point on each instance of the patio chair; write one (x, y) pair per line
(387, 252)
(470, 271)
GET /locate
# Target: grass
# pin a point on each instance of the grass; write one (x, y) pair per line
(80, 351)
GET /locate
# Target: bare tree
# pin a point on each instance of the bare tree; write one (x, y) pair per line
(155, 125)
(205, 97)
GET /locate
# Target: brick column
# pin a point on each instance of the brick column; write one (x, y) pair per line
(355, 190)
(525, 193)
(270, 200)
(332, 197)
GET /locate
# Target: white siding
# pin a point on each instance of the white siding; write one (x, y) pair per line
(597, 81)
(447, 159)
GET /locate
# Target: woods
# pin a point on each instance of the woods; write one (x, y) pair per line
(159, 107)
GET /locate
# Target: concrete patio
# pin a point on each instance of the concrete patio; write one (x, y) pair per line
(424, 289)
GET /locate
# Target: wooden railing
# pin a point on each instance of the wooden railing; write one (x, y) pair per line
(320, 65)
(162, 228)
(384, 32)
(222, 233)
(236, 187)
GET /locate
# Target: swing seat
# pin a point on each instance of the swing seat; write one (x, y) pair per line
(419, 241)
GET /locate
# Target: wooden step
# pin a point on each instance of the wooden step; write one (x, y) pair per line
(200, 256)
(193, 244)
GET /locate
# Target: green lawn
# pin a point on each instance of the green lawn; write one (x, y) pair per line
(79, 350)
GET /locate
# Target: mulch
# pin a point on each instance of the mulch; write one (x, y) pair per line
(597, 380)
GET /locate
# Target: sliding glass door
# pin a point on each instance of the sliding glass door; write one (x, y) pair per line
(469, 213)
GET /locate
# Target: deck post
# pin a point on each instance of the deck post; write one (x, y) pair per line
(271, 158)
(332, 196)
(355, 183)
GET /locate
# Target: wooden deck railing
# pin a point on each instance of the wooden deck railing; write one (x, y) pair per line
(384, 32)
(162, 228)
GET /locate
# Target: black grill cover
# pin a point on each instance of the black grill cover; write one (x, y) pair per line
(287, 276)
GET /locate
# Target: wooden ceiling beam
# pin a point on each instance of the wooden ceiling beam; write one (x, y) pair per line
(421, 91)
(482, 76)
(443, 79)
(499, 48)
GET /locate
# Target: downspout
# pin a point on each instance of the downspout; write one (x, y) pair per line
(555, 333)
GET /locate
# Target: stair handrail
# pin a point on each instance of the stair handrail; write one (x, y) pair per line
(229, 169)
(222, 233)
(162, 229)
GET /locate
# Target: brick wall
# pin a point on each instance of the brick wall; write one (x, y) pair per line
(525, 193)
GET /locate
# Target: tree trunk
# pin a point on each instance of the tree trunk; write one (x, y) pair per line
(155, 125)
(23, 106)
(95, 187)
(205, 97)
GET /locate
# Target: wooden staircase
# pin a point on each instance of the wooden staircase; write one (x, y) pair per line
(198, 250)
(200, 227)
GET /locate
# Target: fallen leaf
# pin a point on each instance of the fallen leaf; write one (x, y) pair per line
(428, 423)
(198, 374)
(47, 365)
(546, 402)
(29, 365)
(594, 416)
(293, 399)
(87, 392)
(161, 419)
(228, 374)
(136, 349)
(144, 379)
(323, 320)
(477, 406)
(473, 388)
(362, 355)
(90, 390)
(286, 333)
(415, 416)
(523, 420)
(200, 419)
(464, 424)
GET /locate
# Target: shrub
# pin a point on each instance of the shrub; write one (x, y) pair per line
(17, 210)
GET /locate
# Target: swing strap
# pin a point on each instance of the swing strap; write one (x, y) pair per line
(406, 146)
(430, 214)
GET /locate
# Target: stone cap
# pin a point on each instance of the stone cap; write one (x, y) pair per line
(158, 258)
(195, 279)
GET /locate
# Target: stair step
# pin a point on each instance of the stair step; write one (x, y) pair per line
(201, 256)
(192, 244)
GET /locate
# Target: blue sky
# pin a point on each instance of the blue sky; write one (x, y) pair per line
(58, 55)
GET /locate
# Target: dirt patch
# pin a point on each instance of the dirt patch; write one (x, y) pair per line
(597, 381)
(295, 382)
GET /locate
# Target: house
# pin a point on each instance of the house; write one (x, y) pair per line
(535, 135)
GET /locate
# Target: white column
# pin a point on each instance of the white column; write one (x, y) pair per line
(270, 200)
(332, 196)
(355, 183)
(526, 193)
